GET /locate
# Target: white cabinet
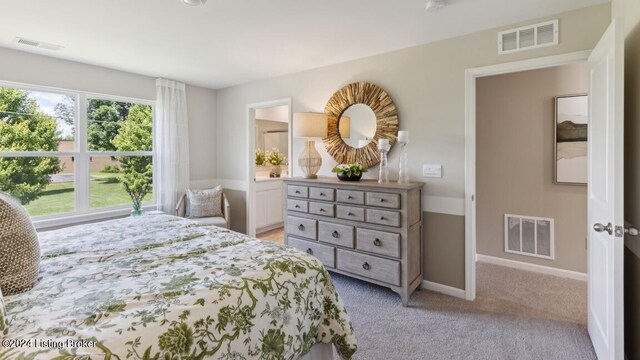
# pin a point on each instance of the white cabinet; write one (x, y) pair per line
(268, 205)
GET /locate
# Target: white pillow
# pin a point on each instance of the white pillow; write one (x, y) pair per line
(205, 203)
(4, 324)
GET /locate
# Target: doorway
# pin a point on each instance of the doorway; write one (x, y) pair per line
(531, 190)
(605, 217)
(472, 77)
(269, 149)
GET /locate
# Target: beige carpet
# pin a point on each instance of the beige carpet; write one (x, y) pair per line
(516, 322)
(526, 293)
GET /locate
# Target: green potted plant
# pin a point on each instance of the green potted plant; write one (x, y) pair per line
(275, 158)
(260, 157)
(349, 172)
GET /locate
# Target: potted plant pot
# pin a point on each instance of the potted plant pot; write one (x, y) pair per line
(345, 177)
(276, 170)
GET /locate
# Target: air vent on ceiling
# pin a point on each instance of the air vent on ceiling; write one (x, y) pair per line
(528, 37)
(38, 44)
(528, 235)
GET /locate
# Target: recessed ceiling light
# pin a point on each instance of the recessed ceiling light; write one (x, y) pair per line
(194, 2)
(435, 5)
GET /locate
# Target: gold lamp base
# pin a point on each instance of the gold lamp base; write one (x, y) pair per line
(310, 160)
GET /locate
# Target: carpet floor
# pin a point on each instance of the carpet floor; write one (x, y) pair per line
(436, 326)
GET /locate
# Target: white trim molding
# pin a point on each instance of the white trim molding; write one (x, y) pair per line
(249, 183)
(229, 184)
(239, 185)
(443, 205)
(532, 267)
(470, 144)
(203, 184)
(443, 289)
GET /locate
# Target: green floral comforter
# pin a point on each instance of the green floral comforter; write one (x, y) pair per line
(162, 287)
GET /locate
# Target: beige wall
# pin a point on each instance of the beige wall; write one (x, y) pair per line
(515, 160)
(630, 10)
(27, 68)
(427, 84)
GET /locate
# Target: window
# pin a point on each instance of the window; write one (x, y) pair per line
(66, 153)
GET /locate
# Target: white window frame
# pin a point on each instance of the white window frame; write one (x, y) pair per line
(83, 212)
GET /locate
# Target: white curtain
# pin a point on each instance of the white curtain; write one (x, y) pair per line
(172, 143)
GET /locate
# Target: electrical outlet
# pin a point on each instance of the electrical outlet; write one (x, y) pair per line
(432, 170)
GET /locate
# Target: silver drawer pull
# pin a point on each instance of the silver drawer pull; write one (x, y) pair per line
(366, 266)
(335, 234)
(301, 227)
(297, 206)
(377, 242)
(297, 191)
(309, 251)
(322, 194)
(350, 214)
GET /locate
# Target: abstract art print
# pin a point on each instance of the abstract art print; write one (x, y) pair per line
(572, 118)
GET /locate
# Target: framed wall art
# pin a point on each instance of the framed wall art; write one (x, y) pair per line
(571, 122)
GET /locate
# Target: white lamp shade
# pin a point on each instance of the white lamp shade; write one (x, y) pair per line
(308, 125)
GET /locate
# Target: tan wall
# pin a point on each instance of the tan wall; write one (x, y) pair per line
(515, 161)
(427, 84)
(27, 68)
(444, 249)
(630, 10)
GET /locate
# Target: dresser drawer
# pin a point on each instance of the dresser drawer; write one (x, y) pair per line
(385, 270)
(301, 227)
(323, 209)
(336, 234)
(322, 194)
(297, 205)
(297, 191)
(326, 254)
(378, 242)
(350, 212)
(383, 217)
(351, 197)
(385, 200)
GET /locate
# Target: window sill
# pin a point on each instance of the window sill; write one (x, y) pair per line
(52, 223)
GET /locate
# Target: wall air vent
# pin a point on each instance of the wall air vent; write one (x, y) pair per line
(528, 37)
(37, 44)
(527, 235)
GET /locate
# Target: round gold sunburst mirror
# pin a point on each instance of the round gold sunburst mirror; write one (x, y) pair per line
(359, 115)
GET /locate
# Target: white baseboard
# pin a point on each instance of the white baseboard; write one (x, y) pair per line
(532, 267)
(443, 289)
(269, 228)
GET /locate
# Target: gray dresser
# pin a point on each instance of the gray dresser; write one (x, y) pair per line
(362, 229)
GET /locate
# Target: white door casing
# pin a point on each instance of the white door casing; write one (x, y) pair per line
(605, 195)
(251, 146)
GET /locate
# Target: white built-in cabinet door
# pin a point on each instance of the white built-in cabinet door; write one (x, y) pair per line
(269, 203)
(261, 209)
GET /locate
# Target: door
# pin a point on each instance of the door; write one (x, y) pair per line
(605, 191)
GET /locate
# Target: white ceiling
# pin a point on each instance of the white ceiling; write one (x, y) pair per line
(228, 42)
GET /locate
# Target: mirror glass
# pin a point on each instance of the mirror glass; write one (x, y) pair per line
(357, 125)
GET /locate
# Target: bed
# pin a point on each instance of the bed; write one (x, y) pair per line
(163, 287)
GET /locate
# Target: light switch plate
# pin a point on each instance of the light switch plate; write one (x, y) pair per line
(432, 170)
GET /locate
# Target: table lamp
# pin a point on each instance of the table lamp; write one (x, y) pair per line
(310, 125)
